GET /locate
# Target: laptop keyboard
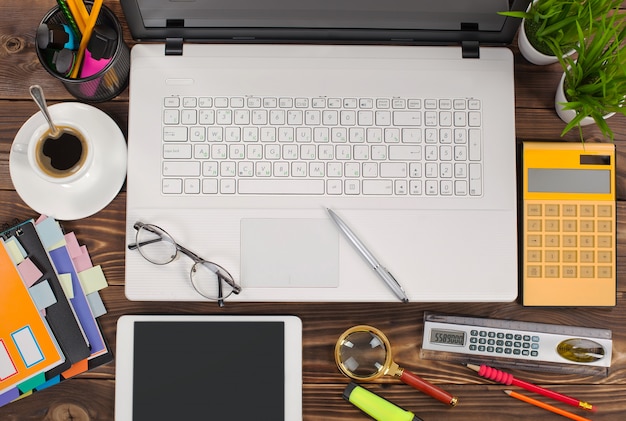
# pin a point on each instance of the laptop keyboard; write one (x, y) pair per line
(322, 146)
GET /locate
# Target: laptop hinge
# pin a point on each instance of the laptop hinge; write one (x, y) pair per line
(173, 46)
(174, 43)
(470, 49)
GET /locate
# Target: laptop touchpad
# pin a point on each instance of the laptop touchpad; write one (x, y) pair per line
(278, 253)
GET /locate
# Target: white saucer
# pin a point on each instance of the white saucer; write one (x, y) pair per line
(88, 194)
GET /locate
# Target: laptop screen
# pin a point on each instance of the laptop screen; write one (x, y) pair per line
(410, 21)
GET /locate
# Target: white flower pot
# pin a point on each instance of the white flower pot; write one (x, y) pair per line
(529, 52)
(568, 115)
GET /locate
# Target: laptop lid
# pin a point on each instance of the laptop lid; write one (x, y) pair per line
(345, 21)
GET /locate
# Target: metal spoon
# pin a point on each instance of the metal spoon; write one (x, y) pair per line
(37, 93)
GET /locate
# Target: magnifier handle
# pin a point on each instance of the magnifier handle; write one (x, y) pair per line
(428, 388)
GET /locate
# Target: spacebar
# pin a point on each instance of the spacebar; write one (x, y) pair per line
(274, 186)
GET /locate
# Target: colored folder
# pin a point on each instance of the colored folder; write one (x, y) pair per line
(27, 346)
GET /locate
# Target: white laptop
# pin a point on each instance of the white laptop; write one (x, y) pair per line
(249, 118)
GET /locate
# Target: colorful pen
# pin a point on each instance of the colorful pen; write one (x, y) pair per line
(508, 379)
(375, 406)
(545, 406)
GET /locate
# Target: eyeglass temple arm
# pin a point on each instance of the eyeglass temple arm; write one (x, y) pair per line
(135, 246)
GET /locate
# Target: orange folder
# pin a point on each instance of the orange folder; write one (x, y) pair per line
(27, 346)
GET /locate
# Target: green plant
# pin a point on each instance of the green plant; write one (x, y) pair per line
(552, 25)
(595, 81)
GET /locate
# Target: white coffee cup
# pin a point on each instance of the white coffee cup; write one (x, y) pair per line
(83, 185)
(63, 159)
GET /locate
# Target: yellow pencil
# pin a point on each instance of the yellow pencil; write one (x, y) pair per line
(545, 406)
(95, 11)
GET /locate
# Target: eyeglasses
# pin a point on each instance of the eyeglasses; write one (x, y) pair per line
(209, 279)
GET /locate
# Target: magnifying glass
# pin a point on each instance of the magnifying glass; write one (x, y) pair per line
(364, 353)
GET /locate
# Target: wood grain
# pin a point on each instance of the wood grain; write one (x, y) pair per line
(90, 396)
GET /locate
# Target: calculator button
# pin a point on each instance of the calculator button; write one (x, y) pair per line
(586, 225)
(552, 210)
(534, 225)
(551, 255)
(533, 210)
(533, 256)
(587, 211)
(569, 225)
(587, 256)
(605, 272)
(552, 225)
(605, 226)
(570, 256)
(553, 240)
(605, 241)
(587, 240)
(533, 240)
(570, 271)
(605, 211)
(569, 241)
(605, 257)
(552, 271)
(569, 210)
(586, 272)
(534, 272)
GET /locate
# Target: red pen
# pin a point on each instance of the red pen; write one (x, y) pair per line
(508, 379)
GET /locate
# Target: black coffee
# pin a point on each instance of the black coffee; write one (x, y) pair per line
(61, 156)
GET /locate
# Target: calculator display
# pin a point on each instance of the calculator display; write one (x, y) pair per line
(569, 180)
(447, 337)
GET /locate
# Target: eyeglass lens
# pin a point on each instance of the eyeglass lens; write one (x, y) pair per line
(156, 245)
(205, 279)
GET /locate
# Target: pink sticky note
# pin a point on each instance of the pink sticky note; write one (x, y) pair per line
(73, 248)
(82, 262)
(29, 272)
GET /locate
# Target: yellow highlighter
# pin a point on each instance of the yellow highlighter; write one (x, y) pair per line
(375, 406)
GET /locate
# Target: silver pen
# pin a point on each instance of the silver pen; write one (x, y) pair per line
(383, 273)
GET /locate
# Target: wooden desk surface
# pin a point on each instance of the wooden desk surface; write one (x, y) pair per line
(91, 395)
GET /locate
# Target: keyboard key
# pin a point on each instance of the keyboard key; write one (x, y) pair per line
(273, 186)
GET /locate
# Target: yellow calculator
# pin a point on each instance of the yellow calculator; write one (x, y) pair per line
(569, 231)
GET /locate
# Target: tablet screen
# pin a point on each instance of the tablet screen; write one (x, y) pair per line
(205, 370)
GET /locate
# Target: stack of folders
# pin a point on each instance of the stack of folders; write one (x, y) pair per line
(49, 305)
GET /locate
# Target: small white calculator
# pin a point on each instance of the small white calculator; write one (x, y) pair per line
(531, 343)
